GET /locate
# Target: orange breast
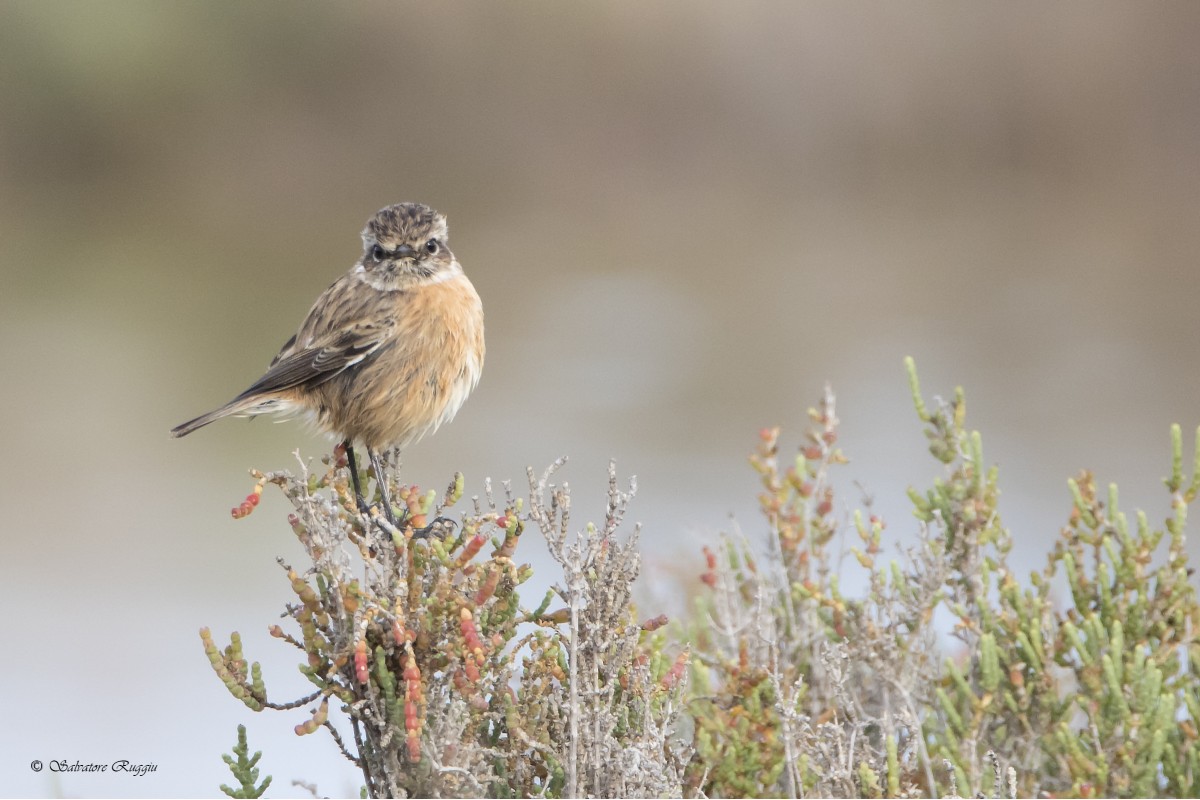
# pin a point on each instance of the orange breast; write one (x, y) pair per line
(419, 378)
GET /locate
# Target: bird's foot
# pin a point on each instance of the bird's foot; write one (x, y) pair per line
(441, 527)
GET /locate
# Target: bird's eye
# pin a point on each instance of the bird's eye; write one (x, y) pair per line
(378, 253)
(432, 246)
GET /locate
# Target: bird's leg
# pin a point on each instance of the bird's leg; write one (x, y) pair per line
(418, 533)
(363, 506)
(383, 488)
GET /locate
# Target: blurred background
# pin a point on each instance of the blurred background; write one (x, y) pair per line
(683, 218)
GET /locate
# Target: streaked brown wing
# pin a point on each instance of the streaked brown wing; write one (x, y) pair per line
(313, 366)
(345, 325)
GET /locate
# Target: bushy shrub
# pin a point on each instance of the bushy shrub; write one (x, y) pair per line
(1080, 680)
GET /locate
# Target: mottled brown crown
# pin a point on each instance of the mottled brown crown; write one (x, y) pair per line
(405, 223)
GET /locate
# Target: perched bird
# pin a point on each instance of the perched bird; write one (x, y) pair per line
(387, 354)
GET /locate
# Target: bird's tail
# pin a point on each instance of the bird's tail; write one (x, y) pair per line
(232, 408)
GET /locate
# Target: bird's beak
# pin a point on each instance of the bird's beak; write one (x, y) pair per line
(404, 251)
